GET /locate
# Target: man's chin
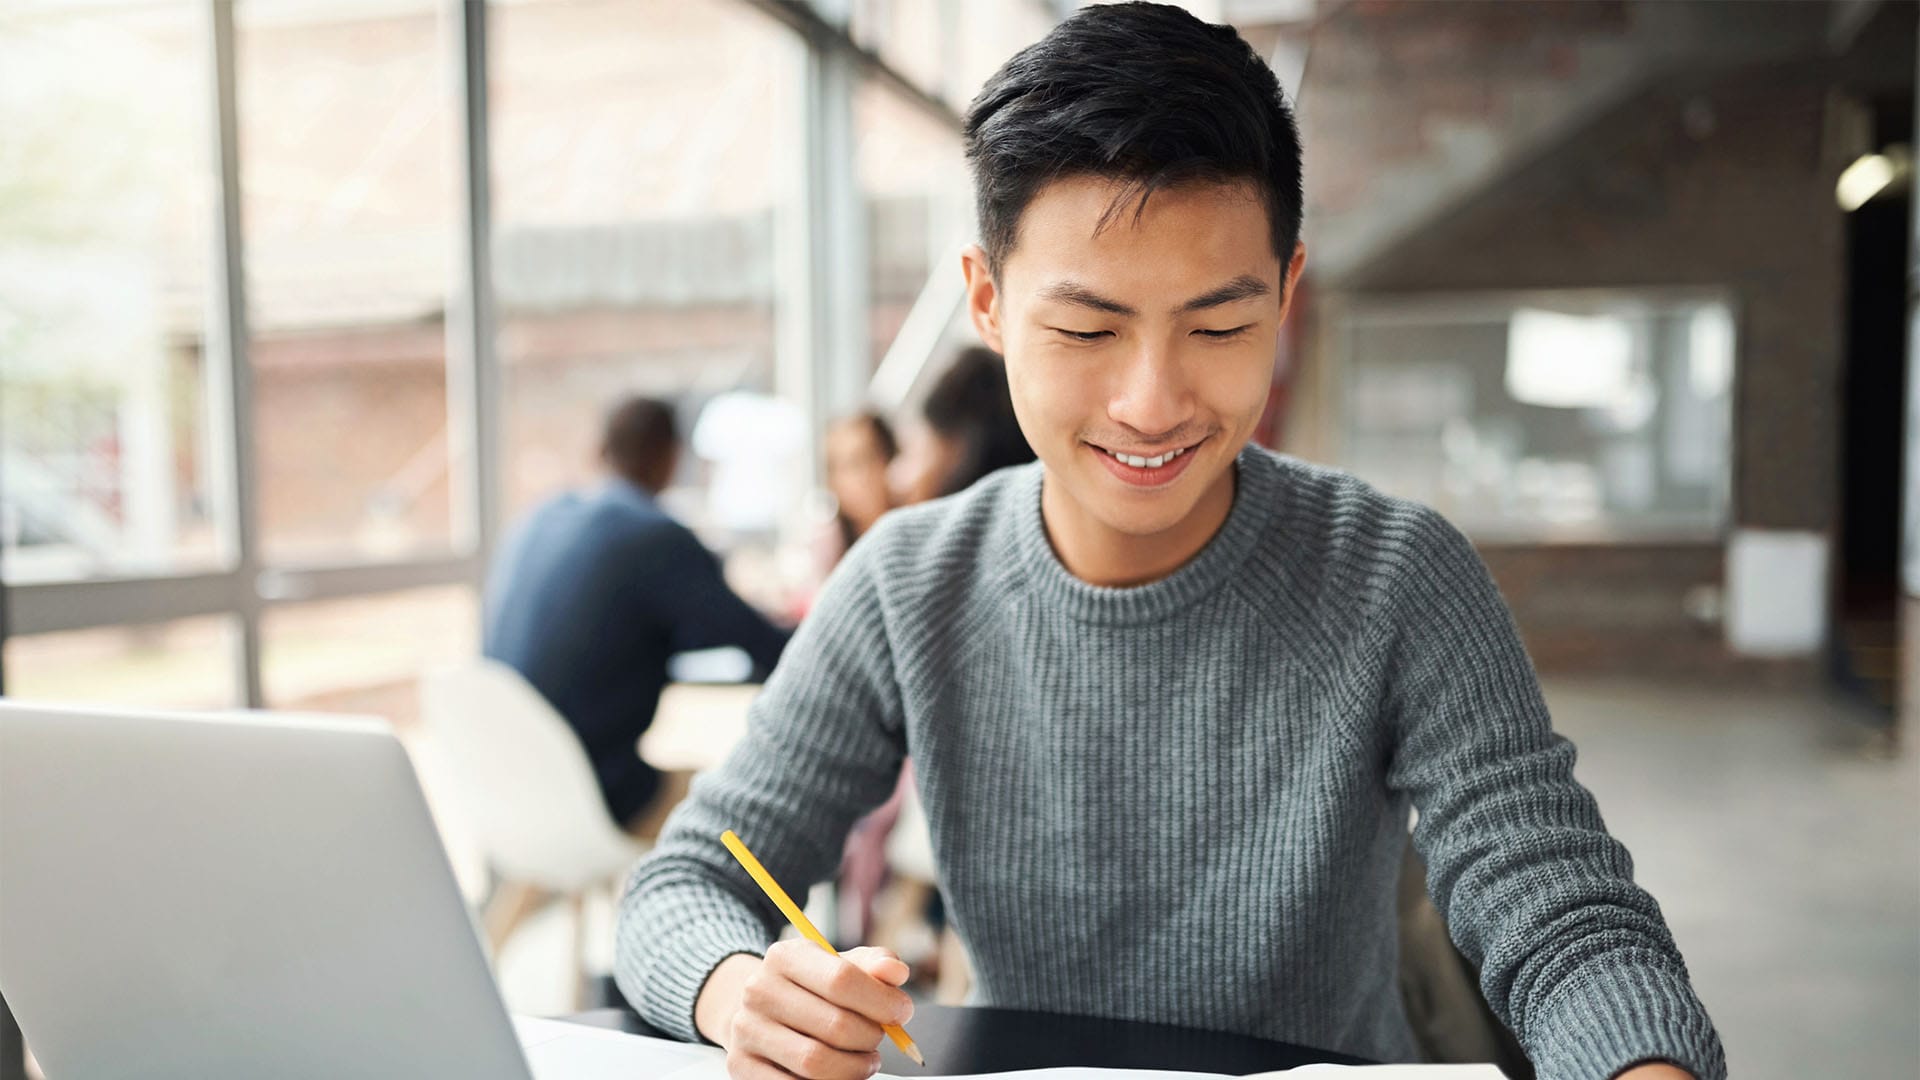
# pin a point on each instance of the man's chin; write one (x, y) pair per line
(1149, 515)
(1100, 499)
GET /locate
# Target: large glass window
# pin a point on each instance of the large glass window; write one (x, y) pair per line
(107, 442)
(182, 664)
(643, 152)
(1589, 416)
(947, 48)
(648, 163)
(914, 188)
(347, 155)
(365, 654)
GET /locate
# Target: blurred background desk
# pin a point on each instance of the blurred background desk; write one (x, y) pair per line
(961, 1040)
(697, 725)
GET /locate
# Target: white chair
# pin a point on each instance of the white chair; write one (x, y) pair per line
(526, 792)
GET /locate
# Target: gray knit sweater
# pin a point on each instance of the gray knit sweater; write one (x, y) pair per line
(1186, 802)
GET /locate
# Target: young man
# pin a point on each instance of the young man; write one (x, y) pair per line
(1170, 697)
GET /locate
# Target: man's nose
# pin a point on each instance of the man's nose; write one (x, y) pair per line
(1151, 395)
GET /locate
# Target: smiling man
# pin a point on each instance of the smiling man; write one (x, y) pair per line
(1170, 697)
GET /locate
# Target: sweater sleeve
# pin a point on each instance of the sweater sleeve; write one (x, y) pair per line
(1573, 956)
(824, 745)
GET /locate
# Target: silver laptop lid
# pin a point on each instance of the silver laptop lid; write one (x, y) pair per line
(233, 895)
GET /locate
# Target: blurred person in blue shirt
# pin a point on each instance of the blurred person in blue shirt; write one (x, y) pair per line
(596, 589)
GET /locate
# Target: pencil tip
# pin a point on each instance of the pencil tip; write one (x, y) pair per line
(914, 1053)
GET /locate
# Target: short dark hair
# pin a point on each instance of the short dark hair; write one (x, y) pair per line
(1142, 93)
(641, 437)
(972, 405)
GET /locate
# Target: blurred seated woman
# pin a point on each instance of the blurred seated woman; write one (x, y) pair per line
(966, 429)
(859, 450)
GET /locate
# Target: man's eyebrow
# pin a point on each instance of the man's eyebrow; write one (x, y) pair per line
(1244, 287)
(1072, 292)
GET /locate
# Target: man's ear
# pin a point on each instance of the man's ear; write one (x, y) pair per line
(1294, 267)
(983, 297)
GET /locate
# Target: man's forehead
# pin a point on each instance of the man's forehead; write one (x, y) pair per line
(1205, 235)
(1096, 208)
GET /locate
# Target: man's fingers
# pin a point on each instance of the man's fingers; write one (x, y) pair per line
(742, 1065)
(841, 982)
(882, 964)
(842, 1029)
(799, 1054)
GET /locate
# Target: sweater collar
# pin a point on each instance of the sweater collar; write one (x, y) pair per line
(1255, 493)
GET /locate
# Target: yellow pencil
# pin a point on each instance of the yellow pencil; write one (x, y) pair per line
(801, 923)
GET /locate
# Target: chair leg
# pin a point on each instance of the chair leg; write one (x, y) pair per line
(512, 903)
(578, 903)
(956, 971)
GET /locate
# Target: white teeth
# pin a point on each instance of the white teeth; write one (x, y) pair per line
(1139, 462)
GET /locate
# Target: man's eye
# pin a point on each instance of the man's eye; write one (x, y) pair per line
(1220, 334)
(1082, 335)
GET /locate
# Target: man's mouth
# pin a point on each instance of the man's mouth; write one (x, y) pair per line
(1144, 461)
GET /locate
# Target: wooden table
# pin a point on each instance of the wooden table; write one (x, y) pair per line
(697, 725)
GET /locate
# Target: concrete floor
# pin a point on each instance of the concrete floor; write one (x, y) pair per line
(1785, 852)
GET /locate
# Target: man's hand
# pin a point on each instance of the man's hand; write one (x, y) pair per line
(1655, 1070)
(803, 1012)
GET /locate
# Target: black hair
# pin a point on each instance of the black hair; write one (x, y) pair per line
(640, 439)
(1142, 93)
(971, 405)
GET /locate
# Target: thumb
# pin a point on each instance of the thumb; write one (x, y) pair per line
(882, 964)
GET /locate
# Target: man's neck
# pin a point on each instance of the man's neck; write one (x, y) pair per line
(616, 476)
(1099, 554)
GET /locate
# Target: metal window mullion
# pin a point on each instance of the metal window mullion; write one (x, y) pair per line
(822, 347)
(474, 377)
(843, 361)
(826, 38)
(796, 226)
(242, 471)
(293, 586)
(80, 605)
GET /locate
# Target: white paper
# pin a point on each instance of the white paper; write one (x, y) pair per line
(557, 1050)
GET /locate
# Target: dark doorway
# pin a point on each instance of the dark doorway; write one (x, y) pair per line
(1873, 407)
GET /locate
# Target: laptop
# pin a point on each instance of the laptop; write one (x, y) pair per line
(239, 895)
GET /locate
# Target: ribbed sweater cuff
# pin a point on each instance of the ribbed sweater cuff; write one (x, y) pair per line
(662, 980)
(1600, 1022)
